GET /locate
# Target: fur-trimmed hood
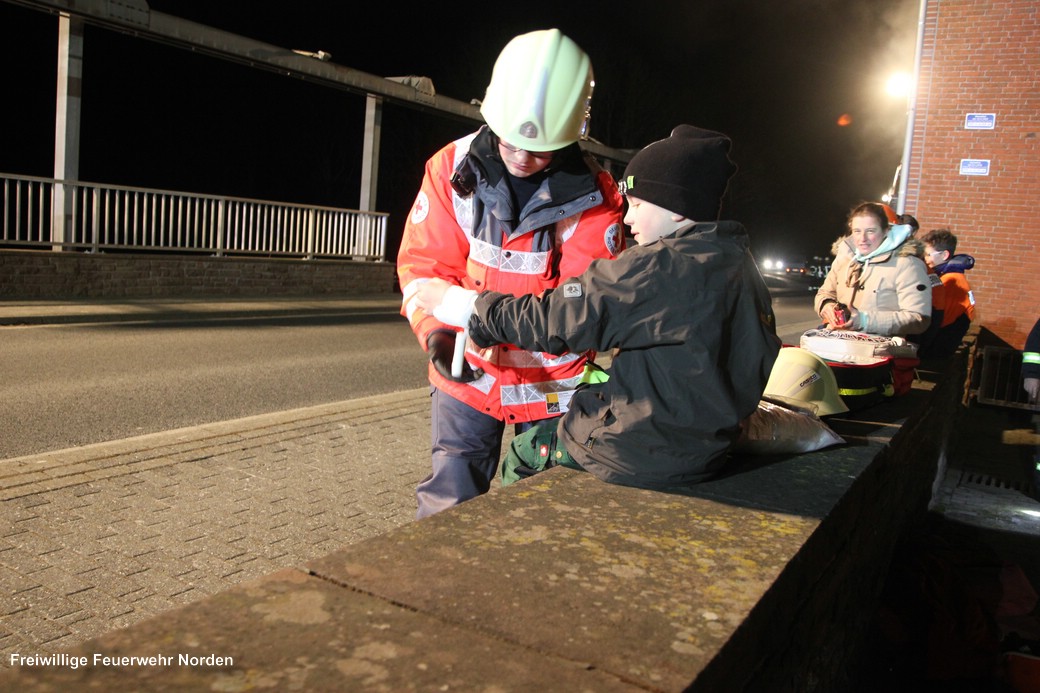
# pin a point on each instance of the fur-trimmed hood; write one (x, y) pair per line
(909, 247)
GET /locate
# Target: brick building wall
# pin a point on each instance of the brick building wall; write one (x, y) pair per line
(983, 57)
(64, 276)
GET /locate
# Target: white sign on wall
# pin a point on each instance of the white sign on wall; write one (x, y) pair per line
(974, 167)
(980, 121)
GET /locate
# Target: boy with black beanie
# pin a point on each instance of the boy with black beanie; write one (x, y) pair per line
(686, 310)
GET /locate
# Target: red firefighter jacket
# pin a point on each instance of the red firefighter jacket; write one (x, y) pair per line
(463, 228)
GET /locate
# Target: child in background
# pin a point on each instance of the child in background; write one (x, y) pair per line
(940, 247)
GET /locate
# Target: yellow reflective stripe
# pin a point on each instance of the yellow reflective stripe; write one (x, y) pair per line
(855, 392)
(1031, 357)
(594, 375)
(887, 390)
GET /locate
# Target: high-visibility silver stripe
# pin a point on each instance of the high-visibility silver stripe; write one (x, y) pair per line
(484, 383)
(463, 205)
(566, 227)
(512, 261)
(529, 393)
(463, 212)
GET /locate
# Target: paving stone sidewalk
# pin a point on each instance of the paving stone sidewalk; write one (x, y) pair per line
(100, 537)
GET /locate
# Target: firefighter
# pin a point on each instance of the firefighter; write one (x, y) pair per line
(512, 207)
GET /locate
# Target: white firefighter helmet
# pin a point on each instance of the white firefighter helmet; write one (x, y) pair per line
(540, 92)
(802, 377)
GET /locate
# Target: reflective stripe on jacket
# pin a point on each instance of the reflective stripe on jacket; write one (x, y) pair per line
(1031, 353)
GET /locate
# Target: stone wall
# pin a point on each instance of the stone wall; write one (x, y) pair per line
(764, 579)
(62, 276)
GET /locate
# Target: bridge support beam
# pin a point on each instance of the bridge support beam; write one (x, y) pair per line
(67, 121)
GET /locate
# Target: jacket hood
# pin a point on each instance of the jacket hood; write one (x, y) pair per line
(958, 263)
(729, 232)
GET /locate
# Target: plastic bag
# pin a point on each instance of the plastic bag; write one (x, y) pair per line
(777, 429)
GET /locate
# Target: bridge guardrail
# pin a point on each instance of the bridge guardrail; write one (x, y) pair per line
(77, 215)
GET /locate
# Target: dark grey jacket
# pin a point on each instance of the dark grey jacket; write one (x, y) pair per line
(694, 326)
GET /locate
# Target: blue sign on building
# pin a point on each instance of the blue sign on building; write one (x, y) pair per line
(980, 121)
(974, 167)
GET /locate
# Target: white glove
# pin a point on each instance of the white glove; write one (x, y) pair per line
(456, 306)
(1032, 388)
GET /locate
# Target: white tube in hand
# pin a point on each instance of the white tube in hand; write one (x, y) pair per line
(459, 357)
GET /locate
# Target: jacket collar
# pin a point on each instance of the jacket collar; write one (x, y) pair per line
(568, 168)
(958, 263)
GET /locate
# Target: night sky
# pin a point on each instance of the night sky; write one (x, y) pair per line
(774, 76)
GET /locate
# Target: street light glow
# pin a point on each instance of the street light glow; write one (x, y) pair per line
(899, 84)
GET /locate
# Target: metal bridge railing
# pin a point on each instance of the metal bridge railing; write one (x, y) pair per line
(74, 215)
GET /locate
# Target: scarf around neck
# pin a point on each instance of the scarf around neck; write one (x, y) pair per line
(897, 235)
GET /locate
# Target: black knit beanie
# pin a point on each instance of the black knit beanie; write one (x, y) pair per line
(686, 173)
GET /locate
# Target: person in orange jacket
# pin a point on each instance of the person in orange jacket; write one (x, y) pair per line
(926, 340)
(513, 207)
(940, 248)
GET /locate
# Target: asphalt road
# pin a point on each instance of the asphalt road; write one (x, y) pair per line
(792, 304)
(64, 386)
(69, 385)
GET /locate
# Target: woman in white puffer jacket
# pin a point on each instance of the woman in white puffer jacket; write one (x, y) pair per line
(878, 282)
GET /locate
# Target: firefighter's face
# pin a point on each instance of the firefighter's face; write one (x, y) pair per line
(522, 163)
